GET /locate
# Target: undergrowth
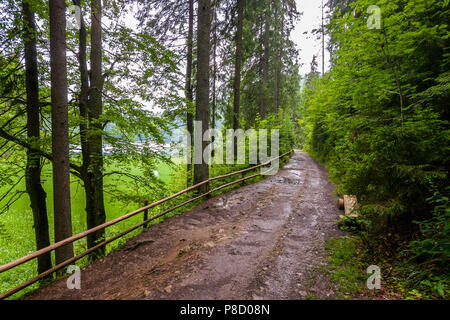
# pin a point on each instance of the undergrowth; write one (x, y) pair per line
(412, 266)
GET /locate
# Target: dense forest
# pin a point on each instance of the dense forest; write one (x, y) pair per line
(94, 93)
(379, 120)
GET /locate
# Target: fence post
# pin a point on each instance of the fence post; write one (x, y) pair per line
(146, 214)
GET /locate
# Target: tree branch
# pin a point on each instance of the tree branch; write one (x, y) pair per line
(26, 145)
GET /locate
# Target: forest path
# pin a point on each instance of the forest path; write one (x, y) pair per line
(262, 241)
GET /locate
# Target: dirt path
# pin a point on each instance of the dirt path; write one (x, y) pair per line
(261, 241)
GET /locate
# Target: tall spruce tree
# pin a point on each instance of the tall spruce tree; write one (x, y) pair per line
(60, 129)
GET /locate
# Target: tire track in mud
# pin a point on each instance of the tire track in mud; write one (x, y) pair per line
(262, 241)
(300, 250)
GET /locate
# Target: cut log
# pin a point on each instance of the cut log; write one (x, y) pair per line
(351, 206)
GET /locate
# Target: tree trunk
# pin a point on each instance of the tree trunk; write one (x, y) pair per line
(95, 211)
(83, 96)
(238, 65)
(214, 80)
(275, 90)
(60, 130)
(189, 94)
(276, 74)
(95, 208)
(33, 170)
(265, 61)
(323, 44)
(201, 171)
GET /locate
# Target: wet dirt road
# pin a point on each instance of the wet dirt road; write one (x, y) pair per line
(262, 241)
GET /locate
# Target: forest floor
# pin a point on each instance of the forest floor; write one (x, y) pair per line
(262, 241)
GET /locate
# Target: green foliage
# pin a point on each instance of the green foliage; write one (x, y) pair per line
(141, 99)
(281, 122)
(379, 119)
(352, 224)
(352, 118)
(433, 243)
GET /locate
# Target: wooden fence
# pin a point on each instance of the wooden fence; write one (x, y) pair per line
(144, 209)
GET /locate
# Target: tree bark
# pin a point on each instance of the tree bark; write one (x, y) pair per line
(238, 65)
(95, 208)
(84, 90)
(188, 89)
(201, 171)
(60, 130)
(214, 78)
(323, 43)
(33, 170)
(276, 77)
(265, 61)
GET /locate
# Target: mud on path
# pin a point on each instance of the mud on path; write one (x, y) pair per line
(262, 241)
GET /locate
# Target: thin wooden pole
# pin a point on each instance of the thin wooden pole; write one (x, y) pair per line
(145, 214)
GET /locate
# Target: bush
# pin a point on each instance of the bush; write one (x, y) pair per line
(433, 244)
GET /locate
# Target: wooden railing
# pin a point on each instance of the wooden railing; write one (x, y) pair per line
(144, 209)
